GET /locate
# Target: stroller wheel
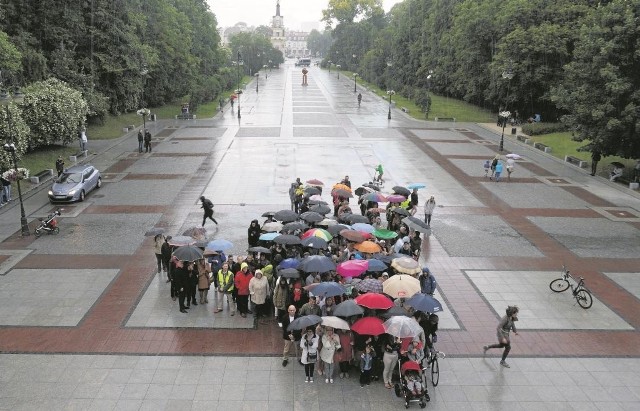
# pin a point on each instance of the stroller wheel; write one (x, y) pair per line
(423, 404)
(406, 405)
(427, 398)
(397, 390)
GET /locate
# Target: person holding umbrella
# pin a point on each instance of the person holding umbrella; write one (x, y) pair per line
(180, 278)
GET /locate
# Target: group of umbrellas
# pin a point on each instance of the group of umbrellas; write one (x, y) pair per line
(189, 245)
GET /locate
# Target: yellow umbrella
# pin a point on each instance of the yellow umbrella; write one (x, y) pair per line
(401, 286)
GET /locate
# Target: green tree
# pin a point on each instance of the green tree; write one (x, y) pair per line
(348, 11)
(601, 88)
(319, 43)
(13, 129)
(53, 111)
(10, 56)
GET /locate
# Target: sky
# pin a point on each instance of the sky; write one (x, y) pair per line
(259, 12)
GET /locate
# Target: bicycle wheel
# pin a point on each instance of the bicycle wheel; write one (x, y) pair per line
(435, 372)
(559, 285)
(584, 298)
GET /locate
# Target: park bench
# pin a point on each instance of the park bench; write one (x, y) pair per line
(453, 119)
(81, 153)
(542, 147)
(186, 116)
(41, 176)
(575, 161)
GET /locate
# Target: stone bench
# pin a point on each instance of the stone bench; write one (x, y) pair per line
(542, 147)
(186, 117)
(74, 158)
(453, 119)
(576, 161)
(522, 138)
(405, 110)
(41, 176)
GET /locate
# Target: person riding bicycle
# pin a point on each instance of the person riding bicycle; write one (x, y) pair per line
(379, 171)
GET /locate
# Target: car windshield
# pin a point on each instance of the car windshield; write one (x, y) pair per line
(70, 178)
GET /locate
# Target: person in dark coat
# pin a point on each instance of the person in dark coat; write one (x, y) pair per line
(180, 277)
(291, 338)
(254, 233)
(166, 256)
(140, 140)
(207, 206)
(147, 141)
(59, 165)
(192, 284)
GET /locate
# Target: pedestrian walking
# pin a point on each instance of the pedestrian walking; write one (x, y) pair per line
(221, 102)
(140, 140)
(511, 164)
(413, 202)
(429, 206)
(6, 190)
(494, 163)
(595, 157)
(359, 99)
(59, 165)
(147, 141)
(207, 206)
(83, 140)
(498, 171)
(487, 167)
(506, 324)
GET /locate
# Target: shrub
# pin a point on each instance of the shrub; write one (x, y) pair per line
(536, 129)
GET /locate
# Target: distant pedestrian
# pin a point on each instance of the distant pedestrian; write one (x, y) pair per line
(158, 241)
(254, 233)
(5, 194)
(511, 163)
(498, 171)
(595, 157)
(83, 140)
(413, 202)
(429, 206)
(147, 141)
(140, 140)
(221, 102)
(207, 206)
(487, 166)
(494, 163)
(59, 165)
(504, 327)
(166, 256)
(359, 99)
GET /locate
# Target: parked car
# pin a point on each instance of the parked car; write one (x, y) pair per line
(75, 183)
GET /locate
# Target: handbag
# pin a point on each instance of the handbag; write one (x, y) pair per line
(312, 356)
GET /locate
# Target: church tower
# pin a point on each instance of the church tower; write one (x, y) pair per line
(277, 29)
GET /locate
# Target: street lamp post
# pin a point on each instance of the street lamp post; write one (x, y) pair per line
(504, 115)
(257, 82)
(238, 74)
(390, 93)
(355, 82)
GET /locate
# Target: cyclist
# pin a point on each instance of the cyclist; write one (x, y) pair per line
(359, 99)
(379, 171)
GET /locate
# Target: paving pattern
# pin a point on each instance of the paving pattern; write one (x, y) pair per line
(87, 323)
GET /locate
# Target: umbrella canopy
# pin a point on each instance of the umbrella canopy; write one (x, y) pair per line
(268, 236)
(348, 308)
(327, 222)
(199, 233)
(334, 322)
(414, 186)
(272, 227)
(315, 182)
(314, 242)
(363, 190)
(181, 240)
(352, 268)
(402, 327)
(368, 247)
(317, 232)
(352, 235)
(201, 243)
(287, 239)
(370, 285)
(289, 273)
(268, 214)
(406, 265)
(395, 198)
(285, 216)
(364, 227)
(296, 225)
(401, 211)
(187, 253)
(342, 193)
(311, 190)
(376, 265)
(384, 234)
(317, 264)
(371, 186)
(154, 232)
(424, 303)
(219, 245)
(375, 197)
(262, 250)
(368, 326)
(374, 301)
(289, 263)
(394, 311)
(311, 217)
(356, 218)
(514, 156)
(341, 186)
(336, 228)
(416, 224)
(326, 289)
(401, 286)
(316, 201)
(321, 209)
(403, 191)
(303, 322)
(617, 164)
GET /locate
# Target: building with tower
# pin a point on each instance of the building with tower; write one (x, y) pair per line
(278, 38)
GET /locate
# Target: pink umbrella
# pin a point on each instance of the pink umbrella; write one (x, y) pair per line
(352, 268)
(396, 198)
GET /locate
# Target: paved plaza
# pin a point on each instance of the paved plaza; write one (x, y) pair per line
(87, 324)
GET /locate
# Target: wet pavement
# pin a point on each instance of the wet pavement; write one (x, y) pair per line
(86, 323)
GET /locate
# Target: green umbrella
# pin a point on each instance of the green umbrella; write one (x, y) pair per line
(385, 234)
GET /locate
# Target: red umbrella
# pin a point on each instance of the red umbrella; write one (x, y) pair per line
(368, 326)
(315, 182)
(374, 301)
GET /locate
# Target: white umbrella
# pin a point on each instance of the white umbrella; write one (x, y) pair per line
(402, 327)
(272, 227)
(335, 322)
(514, 156)
(401, 286)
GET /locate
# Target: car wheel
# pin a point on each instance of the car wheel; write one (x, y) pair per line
(81, 195)
(99, 184)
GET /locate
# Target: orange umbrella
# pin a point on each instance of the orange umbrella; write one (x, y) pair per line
(368, 247)
(340, 186)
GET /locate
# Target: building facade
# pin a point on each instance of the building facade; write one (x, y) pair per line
(296, 44)
(278, 38)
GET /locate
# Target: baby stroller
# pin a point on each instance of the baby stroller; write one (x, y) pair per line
(412, 385)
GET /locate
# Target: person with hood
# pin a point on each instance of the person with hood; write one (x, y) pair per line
(429, 206)
(253, 233)
(427, 282)
(241, 282)
(225, 288)
(207, 206)
(259, 290)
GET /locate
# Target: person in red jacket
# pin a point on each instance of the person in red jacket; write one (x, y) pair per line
(241, 282)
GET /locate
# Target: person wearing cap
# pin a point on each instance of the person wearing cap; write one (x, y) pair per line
(241, 282)
(427, 282)
(384, 277)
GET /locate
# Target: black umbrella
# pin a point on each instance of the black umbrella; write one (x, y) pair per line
(617, 164)
(362, 190)
(268, 214)
(188, 253)
(296, 225)
(310, 191)
(311, 217)
(317, 264)
(303, 322)
(316, 202)
(356, 218)
(342, 193)
(314, 242)
(387, 259)
(401, 211)
(416, 224)
(335, 229)
(287, 239)
(403, 191)
(321, 209)
(371, 186)
(348, 308)
(262, 250)
(285, 216)
(394, 312)
(289, 273)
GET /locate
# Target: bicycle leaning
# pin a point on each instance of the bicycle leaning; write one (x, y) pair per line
(431, 362)
(579, 291)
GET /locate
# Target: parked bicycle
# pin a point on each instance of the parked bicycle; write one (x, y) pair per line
(432, 362)
(579, 291)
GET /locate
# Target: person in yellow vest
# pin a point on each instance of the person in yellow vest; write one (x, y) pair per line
(225, 288)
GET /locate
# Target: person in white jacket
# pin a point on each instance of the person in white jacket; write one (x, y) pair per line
(429, 206)
(259, 290)
(330, 344)
(309, 345)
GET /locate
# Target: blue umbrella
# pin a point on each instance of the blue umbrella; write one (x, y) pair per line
(424, 303)
(416, 185)
(268, 236)
(364, 227)
(328, 289)
(317, 264)
(219, 245)
(288, 263)
(376, 265)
